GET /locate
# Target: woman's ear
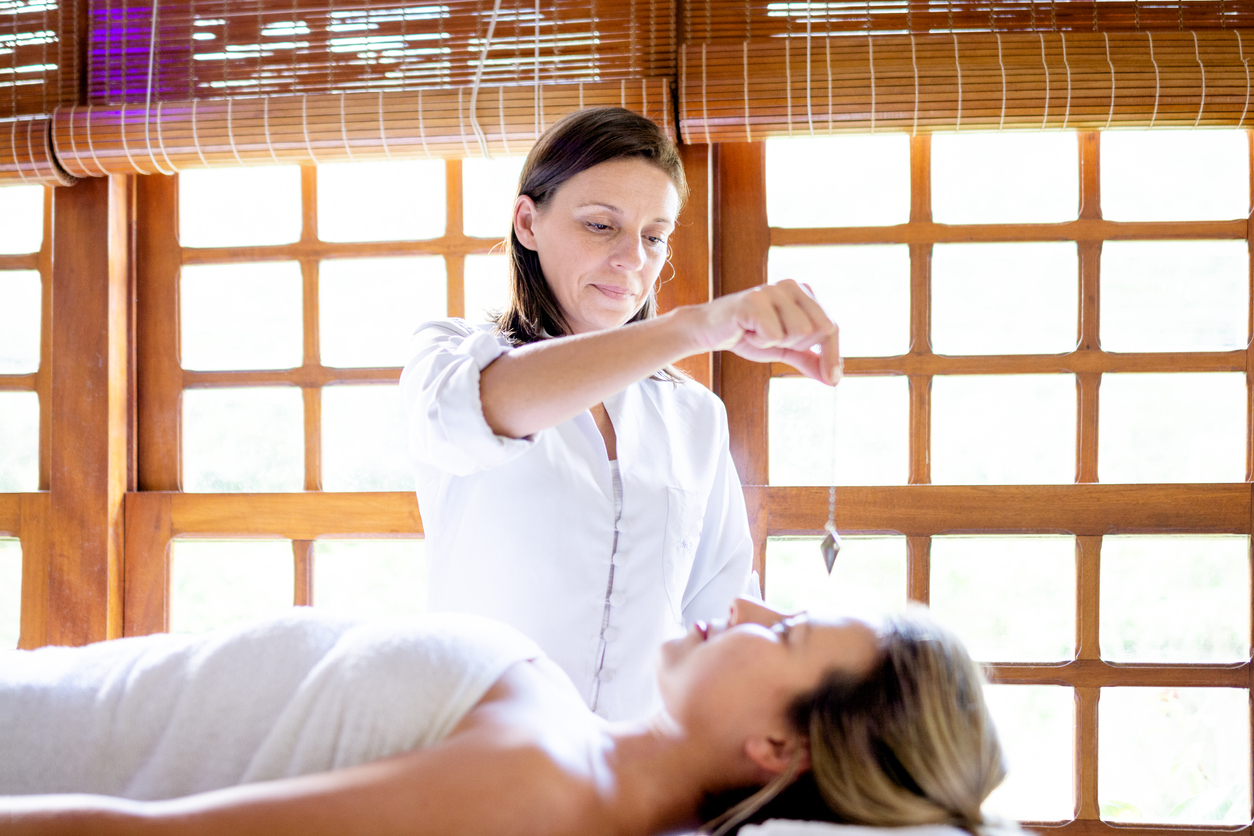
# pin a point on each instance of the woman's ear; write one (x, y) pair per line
(524, 219)
(774, 755)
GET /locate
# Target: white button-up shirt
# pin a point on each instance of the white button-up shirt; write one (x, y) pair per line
(523, 530)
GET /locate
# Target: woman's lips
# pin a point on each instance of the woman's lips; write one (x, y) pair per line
(614, 291)
(703, 629)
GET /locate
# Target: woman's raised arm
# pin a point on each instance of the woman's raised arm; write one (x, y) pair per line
(540, 385)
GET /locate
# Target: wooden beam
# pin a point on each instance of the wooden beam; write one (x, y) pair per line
(1080, 361)
(742, 240)
(1094, 827)
(1094, 673)
(148, 535)
(927, 232)
(689, 279)
(924, 510)
(10, 514)
(159, 376)
(296, 516)
(447, 245)
(36, 565)
(90, 281)
(740, 245)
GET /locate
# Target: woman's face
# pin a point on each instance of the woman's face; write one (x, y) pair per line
(602, 239)
(740, 677)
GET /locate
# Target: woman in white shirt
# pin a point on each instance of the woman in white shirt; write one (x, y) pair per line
(559, 458)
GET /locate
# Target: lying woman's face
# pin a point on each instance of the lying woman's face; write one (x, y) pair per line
(744, 673)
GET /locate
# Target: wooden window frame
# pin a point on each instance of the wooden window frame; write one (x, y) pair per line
(919, 510)
(159, 511)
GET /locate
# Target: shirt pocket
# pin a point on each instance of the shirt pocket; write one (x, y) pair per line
(684, 512)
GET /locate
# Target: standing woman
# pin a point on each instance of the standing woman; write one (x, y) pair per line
(571, 483)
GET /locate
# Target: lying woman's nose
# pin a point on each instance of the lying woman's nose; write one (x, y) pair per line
(748, 611)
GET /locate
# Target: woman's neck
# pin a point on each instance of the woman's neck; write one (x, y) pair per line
(656, 775)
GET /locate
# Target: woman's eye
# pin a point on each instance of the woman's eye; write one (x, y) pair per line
(656, 241)
(598, 227)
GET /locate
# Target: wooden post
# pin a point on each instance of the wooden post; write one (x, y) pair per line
(742, 242)
(90, 408)
(160, 378)
(691, 282)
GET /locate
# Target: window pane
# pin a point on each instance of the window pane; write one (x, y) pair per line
(363, 439)
(381, 201)
(1179, 755)
(1175, 175)
(20, 309)
(370, 578)
(486, 280)
(1175, 598)
(1174, 295)
(21, 219)
(233, 207)
(215, 583)
(865, 289)
(10, 592)
(1004, 298)
(850, 180)
(869, 575)
(1036, 726)
(1003, 429)
(241, 316)
(243, 439)
(488, 191)
(868, 417)
(1011, 599)
(19, 441)
(368, 307)
(982, 178)
(1171, 428)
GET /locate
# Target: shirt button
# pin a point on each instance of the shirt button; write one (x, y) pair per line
(610, 634)
(617, 597)
(606, 675)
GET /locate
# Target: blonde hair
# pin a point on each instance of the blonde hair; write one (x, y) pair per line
(909, 743)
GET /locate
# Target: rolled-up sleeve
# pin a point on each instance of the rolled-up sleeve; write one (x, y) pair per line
(440, 387)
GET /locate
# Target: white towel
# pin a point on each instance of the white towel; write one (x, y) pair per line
(788, 827)
(169, 715)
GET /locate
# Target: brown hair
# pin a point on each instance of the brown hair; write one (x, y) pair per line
(909, 743)
(575, 144)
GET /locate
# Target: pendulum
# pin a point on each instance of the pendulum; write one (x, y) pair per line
(831, 543)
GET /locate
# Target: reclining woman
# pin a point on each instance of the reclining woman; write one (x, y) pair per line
(459, 725)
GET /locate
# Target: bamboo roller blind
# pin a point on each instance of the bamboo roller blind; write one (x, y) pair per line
(214, 48)
(38, 55)
(719, 20)
(332, 127)
(955, 81)
(26, 153)
(231, 83)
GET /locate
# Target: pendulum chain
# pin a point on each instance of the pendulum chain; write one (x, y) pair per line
(831, 543)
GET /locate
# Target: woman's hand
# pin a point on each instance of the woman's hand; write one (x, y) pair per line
(774, 323)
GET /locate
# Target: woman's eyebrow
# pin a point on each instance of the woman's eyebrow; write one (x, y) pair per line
(596, 204)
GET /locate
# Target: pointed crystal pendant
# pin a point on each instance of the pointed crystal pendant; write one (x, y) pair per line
(830, 546)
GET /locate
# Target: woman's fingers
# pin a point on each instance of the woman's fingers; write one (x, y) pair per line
(787, 330)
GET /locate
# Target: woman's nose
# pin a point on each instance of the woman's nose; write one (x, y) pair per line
(629, 253)
(748, 611)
